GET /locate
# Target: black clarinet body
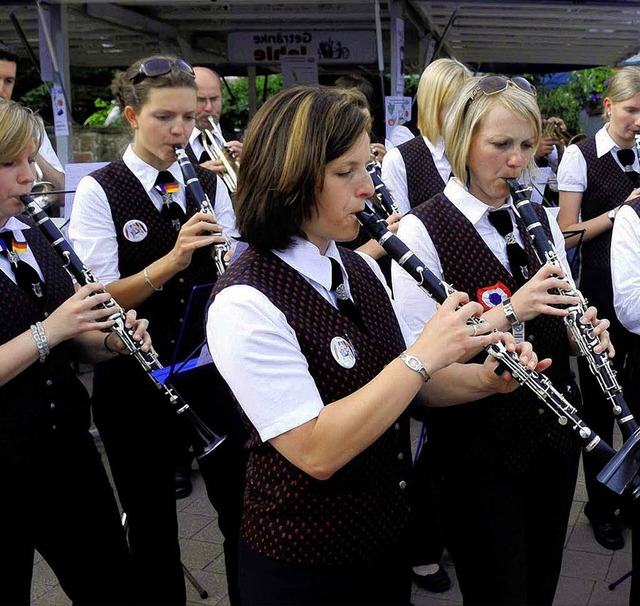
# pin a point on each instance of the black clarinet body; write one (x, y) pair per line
(194, 186)
(599, 363)
(204, 440)
(623, 466)
(383, 196)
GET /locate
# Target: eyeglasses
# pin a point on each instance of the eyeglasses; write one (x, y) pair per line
(158, 67)
(491, 85)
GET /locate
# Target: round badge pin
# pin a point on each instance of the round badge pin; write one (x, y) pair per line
(343, 352)
(135, 230)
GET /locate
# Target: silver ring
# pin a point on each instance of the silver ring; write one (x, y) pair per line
(475, 330)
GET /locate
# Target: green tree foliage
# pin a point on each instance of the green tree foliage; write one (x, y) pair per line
(235, 109)
(584, 91)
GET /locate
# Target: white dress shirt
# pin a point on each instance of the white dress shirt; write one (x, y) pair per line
(413, 304)
(91, 229)
(625, 271)
(47, 152)
(572, 172)
(17, 227)
(195, 142)
(257, 352)
(394, 172)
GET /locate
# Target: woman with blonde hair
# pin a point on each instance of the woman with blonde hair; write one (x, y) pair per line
(504, 469)
(414, 172)
(57, 497)
(595, 177)
(419, 169)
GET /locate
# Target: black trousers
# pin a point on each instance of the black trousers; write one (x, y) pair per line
(64, 507)
(427, 542)
(137, 426)
(506, 533)
(223, 470)
(267, 581)
(597, 413)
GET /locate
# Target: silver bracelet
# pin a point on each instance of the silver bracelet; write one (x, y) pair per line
(40, 338)
(509, 312)
(149, 282)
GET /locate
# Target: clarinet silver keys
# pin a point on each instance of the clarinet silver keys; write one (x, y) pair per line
(204, 440)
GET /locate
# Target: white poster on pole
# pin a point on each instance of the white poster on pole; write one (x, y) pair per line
(397, 111)
(60, 122)
(299, 70)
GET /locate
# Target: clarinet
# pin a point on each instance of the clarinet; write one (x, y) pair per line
(383, 196)
(599, 363)
(194, 186)
(622, 468)
(203, 439)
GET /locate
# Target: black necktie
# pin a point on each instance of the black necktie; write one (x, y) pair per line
(345, 304)
(627, 158)
(166, 185)
(204, 156)
(26, 276)
(501, 220)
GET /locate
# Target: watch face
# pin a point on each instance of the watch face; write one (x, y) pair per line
(414, 363)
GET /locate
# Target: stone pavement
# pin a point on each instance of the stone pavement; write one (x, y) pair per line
(586, 572)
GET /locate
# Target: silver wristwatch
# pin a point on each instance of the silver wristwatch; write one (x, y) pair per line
(509, 312)
(415, 364)
(611, 215)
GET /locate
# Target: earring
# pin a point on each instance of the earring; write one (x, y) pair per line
(609, 114)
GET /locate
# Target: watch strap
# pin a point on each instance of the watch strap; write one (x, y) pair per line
(414, 363)
(509, 312)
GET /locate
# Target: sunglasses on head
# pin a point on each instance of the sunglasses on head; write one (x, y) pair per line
(158, 67)
(491, 85)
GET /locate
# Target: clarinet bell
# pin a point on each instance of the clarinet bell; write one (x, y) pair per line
(204, 440)
(620, 474)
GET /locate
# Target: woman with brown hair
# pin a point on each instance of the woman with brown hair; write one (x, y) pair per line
(320, 366)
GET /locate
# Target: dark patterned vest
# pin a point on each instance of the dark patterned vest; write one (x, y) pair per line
(45, 406)
(607, 187)
(165, 310)
(505, 430)
(353, 517)
(423, 179)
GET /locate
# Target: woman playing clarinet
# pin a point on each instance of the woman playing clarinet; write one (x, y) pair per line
(504, 468)
(320, 365)
(60, 500)
(595, 177)
(141, 232)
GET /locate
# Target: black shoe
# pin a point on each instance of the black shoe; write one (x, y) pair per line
(626, 516)
(183, 483)
(437, 582)
(608, 534)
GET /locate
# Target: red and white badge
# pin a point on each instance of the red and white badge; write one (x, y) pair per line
(490, 296)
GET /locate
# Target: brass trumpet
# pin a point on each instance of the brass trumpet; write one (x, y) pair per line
(221, 152)
(553, 130)
(41, 190)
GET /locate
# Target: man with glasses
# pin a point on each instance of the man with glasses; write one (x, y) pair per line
(209, 99)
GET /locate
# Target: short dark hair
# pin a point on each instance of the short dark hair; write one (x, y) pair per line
(360, 83)
(287, 147)
(6, 54)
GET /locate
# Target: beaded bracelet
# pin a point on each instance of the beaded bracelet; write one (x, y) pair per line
(40, 338)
